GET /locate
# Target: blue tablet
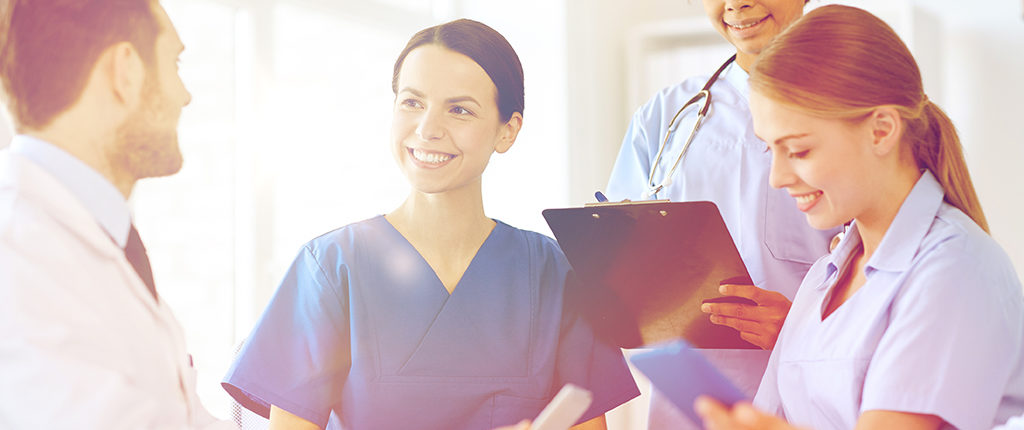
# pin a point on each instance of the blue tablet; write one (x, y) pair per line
(682, 373)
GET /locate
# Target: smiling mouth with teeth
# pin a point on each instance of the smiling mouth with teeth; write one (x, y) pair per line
(430, 157)
(748, 24)
(807, 198)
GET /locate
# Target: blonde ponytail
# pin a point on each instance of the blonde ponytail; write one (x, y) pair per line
(938, 149)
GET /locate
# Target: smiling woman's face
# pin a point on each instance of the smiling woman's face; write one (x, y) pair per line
(827, 165)
(750, 25)
(446, 122)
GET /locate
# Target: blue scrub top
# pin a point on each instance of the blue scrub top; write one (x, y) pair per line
(362, 334)
(938, 328)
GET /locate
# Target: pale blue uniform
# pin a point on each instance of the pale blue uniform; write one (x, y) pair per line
(728, 165)
(938, 328)
(361, 334)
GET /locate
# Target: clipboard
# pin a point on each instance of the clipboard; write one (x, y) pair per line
(642, 270)
(682, 373)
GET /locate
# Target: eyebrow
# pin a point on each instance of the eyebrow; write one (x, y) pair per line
(450, 100)
(789, 137)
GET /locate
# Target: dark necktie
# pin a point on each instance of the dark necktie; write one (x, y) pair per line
(136, 254)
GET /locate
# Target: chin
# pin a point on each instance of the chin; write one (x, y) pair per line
(170, 166)
(164, 154)
(152, 157)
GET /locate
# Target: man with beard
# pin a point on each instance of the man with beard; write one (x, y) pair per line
(94, 92)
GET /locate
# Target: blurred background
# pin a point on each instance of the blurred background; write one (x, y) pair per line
(287, 134)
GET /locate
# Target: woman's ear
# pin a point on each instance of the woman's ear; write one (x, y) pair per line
(508, 133)
(886, 127)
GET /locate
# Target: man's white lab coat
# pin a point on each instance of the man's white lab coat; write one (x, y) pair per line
(83, 344)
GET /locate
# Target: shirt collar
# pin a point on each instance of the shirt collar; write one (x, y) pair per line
(739, 79)
(100, 197)
(839, 256)
(908, 229)
(901, 241)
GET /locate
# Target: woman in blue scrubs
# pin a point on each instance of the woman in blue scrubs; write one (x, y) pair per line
(433, 316)
(916, 319)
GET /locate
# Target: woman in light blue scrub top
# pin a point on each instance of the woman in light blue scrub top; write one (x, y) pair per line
(916, 319)
(433, 316)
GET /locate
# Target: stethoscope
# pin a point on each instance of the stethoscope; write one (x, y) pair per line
(703, 101)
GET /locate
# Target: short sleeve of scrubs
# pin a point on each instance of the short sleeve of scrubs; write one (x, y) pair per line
(938, 355)
(298, 355)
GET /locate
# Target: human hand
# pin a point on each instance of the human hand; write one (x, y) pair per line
(760, 324)
(742, 416)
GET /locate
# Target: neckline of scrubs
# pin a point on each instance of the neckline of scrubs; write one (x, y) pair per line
(437, 279)
(832, 282)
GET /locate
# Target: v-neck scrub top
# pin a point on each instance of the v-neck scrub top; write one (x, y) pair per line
(361, 334)
(937, 328)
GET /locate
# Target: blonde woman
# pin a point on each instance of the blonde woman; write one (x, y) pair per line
(916, 319)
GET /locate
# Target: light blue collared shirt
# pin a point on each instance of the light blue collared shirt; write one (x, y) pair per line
(100, 197)
(937, 328)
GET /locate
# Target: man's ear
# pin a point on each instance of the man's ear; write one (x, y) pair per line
(509, 132)
(886, 127)
(126, 72)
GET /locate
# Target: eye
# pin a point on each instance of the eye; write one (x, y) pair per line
(800, 154)
(459, 110)
(411, 104)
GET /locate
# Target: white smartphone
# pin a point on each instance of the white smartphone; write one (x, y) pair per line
(564, 409)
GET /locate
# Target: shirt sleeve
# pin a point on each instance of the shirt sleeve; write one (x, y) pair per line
(298, 355)
(599, 367)
(629, 175)
(953, 339)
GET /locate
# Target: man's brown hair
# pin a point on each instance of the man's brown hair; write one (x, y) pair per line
(48, 49)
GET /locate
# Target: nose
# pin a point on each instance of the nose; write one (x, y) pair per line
(188, 97)
(735, 5)
(431, 126)
(781, 174)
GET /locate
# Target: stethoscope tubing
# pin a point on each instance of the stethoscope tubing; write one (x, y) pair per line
(704, 95)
